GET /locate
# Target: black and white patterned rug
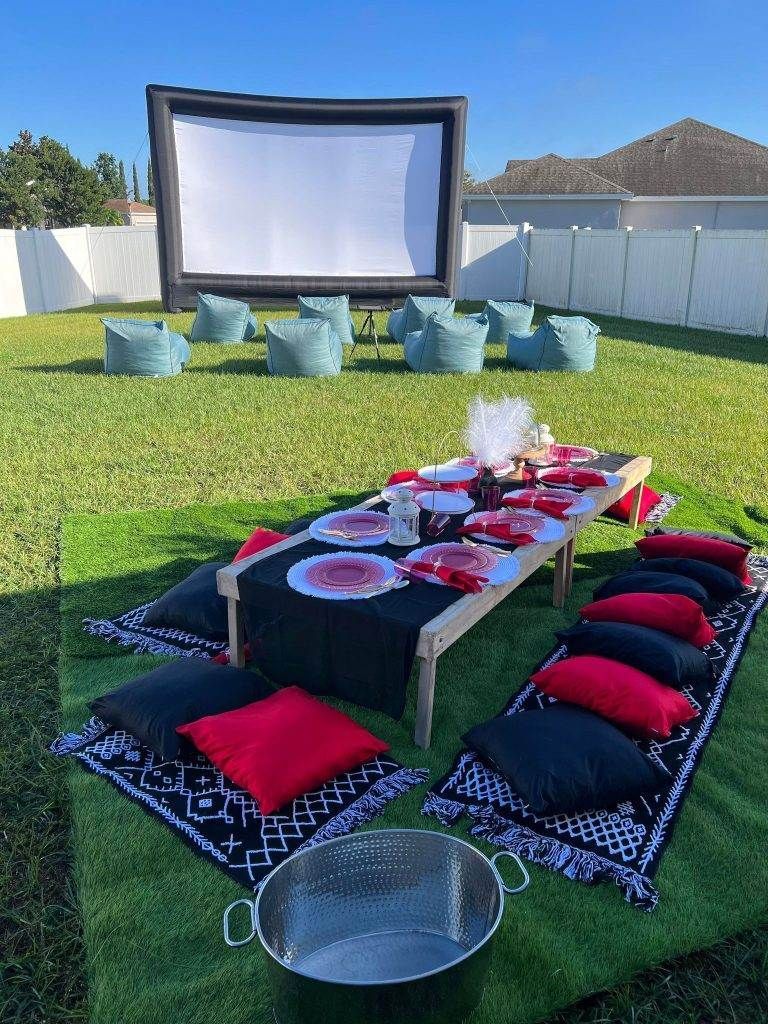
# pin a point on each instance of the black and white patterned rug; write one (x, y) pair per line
(625, 843)
(222, 823)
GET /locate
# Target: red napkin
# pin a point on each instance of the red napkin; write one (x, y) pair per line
(552, 508)
(458, 578)
(405, 476)
(577, 477)
(499, 530)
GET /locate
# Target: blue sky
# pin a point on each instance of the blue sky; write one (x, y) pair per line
(568, 76)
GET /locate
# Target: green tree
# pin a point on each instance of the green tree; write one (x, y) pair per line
(20, 203)
(108, 172)
(136, 189)
(150, 184)
(123, 193)
(467, 180)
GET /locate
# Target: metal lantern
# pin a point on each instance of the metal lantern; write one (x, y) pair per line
(404, 518)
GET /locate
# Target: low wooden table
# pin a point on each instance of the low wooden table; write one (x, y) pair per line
(439, 633)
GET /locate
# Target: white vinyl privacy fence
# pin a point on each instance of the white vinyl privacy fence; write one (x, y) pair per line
(42, 271)
(717, 279)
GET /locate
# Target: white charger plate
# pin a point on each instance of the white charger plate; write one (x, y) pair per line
(447, 474)
(507, 569)
(297, 580)
(452, 502)
(552, 530)
(315, 531)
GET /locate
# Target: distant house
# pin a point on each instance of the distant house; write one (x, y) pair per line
(686, 174)
(133, 214)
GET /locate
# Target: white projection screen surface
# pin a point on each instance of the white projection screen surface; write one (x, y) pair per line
(308, 200)
(263, 198)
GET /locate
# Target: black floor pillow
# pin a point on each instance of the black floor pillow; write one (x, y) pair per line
(193, 605)
(720, 584)
(666, 658)
(564, 759)
(678, 531)
(652, 583)
(151, 706)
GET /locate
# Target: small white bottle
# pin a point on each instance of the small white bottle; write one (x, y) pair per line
(546, 440)
(403, 519)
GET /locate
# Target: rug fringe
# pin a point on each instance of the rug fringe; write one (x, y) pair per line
(663, 507)
(107, 630)
(370, 805)
(67, 742)
(447, 812)
(578, 865)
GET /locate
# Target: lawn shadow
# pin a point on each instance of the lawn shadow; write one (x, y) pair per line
(254, 367)
(82, 366)
(370, 364)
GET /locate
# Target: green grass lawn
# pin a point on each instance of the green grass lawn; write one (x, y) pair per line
(74, 441)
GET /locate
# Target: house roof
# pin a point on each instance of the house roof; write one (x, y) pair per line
(687, 158)
(126, 206)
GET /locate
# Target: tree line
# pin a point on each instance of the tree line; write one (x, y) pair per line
(43, 185)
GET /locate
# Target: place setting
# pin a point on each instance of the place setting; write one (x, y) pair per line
(345, 576)
(354, 528)
(465, 567)
(510, 526)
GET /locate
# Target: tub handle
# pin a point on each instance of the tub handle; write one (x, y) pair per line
(251, 904)
(507, 889)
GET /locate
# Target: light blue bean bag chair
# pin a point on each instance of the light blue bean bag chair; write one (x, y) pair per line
(447, 344)
(560, 343)
(223, 320)
(142, 348)
(302, 348)
(504, 317)
(329, 307)
(414, 313)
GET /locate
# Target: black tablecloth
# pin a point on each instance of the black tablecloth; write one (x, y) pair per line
(361, 651)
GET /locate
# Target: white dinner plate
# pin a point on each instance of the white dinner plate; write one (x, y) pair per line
(447, 474)
(453, 502)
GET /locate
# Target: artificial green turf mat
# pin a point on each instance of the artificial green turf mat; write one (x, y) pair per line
(152, 909)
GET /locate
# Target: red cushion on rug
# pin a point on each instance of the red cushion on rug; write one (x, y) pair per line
(260, 538)
(718, 552)
(624, 695)
(622, 508)
(282, 746)
(671, 613)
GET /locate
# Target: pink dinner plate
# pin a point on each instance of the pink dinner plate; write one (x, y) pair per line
(572, 453)
(518, 522)
(363, 524)
(499, 468)
(345, 573)
(562, 497)
(459, 556)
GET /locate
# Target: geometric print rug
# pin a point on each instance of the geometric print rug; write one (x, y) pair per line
(222, 823)
(623, 844)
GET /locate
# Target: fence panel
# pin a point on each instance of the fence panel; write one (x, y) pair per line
(550, 266)
(20, 290)
(598, 270)
(730, 281)
(658, 275)
(125, 265)
(492, 263)
(65, 267)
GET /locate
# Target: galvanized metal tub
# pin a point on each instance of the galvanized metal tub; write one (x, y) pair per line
(383, 926)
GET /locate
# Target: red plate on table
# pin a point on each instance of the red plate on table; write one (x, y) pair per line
(345, 573)
(562, 498)
(518, 522)
(362, 524)
(572, 453)
(459, 556)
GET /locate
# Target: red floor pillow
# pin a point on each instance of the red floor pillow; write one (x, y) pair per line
(260, 538)
(622, 508)
(719, 552)
(283, 746)
(629, 698)
(671, 613)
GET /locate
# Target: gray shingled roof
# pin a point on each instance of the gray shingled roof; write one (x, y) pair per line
(686, 158)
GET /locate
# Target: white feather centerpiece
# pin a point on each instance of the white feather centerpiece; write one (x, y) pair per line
(498, 430)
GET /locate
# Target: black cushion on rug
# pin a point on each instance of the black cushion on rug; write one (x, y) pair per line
(720, 584)
(652, 583)
(666, 658)
(151, 706)
(564, 759)
(193, 605)
(679, 531)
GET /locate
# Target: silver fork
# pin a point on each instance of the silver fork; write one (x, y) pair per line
(488, 547)
(395, 583)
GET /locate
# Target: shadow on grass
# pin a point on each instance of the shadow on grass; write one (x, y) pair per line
(255, 367)
(87, 367)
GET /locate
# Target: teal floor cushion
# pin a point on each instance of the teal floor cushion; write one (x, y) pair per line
(223, 320)
(302, 348)
(414, 313)
(447, 344)
(559, 343)
(504, 317)
(329, 307)
(142, 348)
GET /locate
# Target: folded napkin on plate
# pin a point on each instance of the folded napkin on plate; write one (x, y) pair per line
(577, 477)
(552, 508)
(405, 476)
(498, 530)
(458, 578)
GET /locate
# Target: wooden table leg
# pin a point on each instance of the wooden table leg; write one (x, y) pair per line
(570, 554)
(236, 633)
(425, 702)
(560, 588)
(634, 514)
